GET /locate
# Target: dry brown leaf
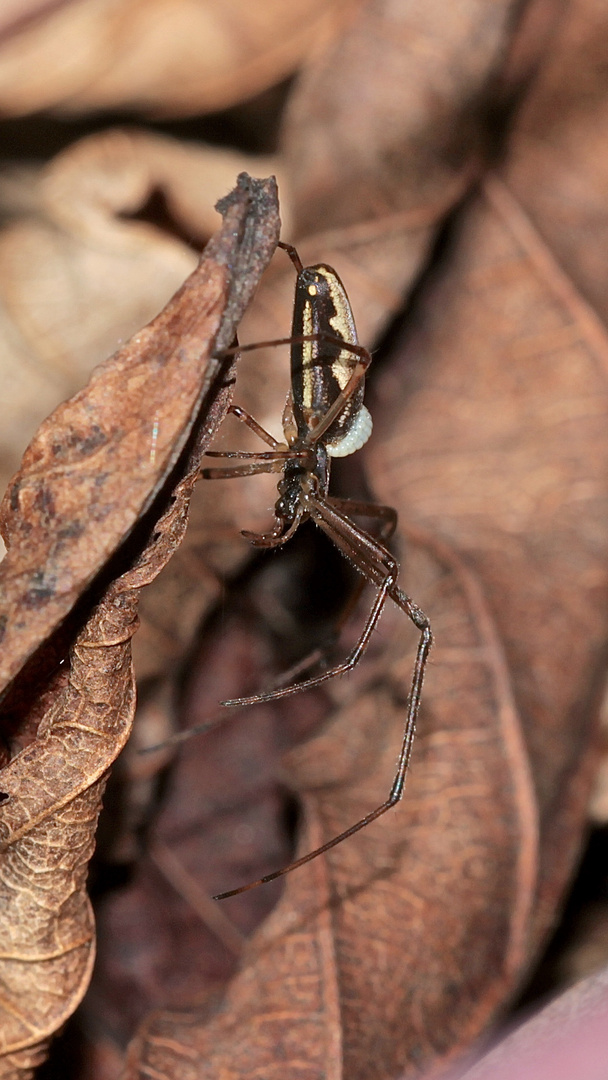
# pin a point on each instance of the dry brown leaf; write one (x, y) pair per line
(392, 117)
(86, 479)
(557, 166)
(47, 832)
(513, 360)
(77, 276)
(63, 513)
(171, 57)
(363, 965)
(162, 941)
(492, 434)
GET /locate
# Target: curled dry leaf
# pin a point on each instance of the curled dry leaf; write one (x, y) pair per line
(105, 461)
(93, 469)
(77, 275)
(79, 272)
(93, 186)
(171, 57)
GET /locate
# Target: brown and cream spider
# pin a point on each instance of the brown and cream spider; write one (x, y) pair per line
(324, 418)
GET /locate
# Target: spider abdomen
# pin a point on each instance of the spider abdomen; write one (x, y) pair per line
(322, 368)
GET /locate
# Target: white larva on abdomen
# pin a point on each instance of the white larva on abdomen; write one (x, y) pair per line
(357, 436)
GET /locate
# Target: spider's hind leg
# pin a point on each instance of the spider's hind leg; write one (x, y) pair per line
(379, 567)
(287, 682)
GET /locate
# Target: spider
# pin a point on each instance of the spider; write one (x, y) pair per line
(325, 417)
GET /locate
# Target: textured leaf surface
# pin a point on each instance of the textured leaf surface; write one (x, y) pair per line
(63, 517)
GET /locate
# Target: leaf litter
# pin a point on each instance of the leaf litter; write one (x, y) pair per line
(489, 438)
(91, 467)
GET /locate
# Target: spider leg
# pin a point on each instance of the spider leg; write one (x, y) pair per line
(241, 470)
(388, 522)
(360, 367)
(378, 566)
(293, 255)
(247, 418)
(385, 514)
(337, 406)
(266, 455)
(373, 560)
(279, 535)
